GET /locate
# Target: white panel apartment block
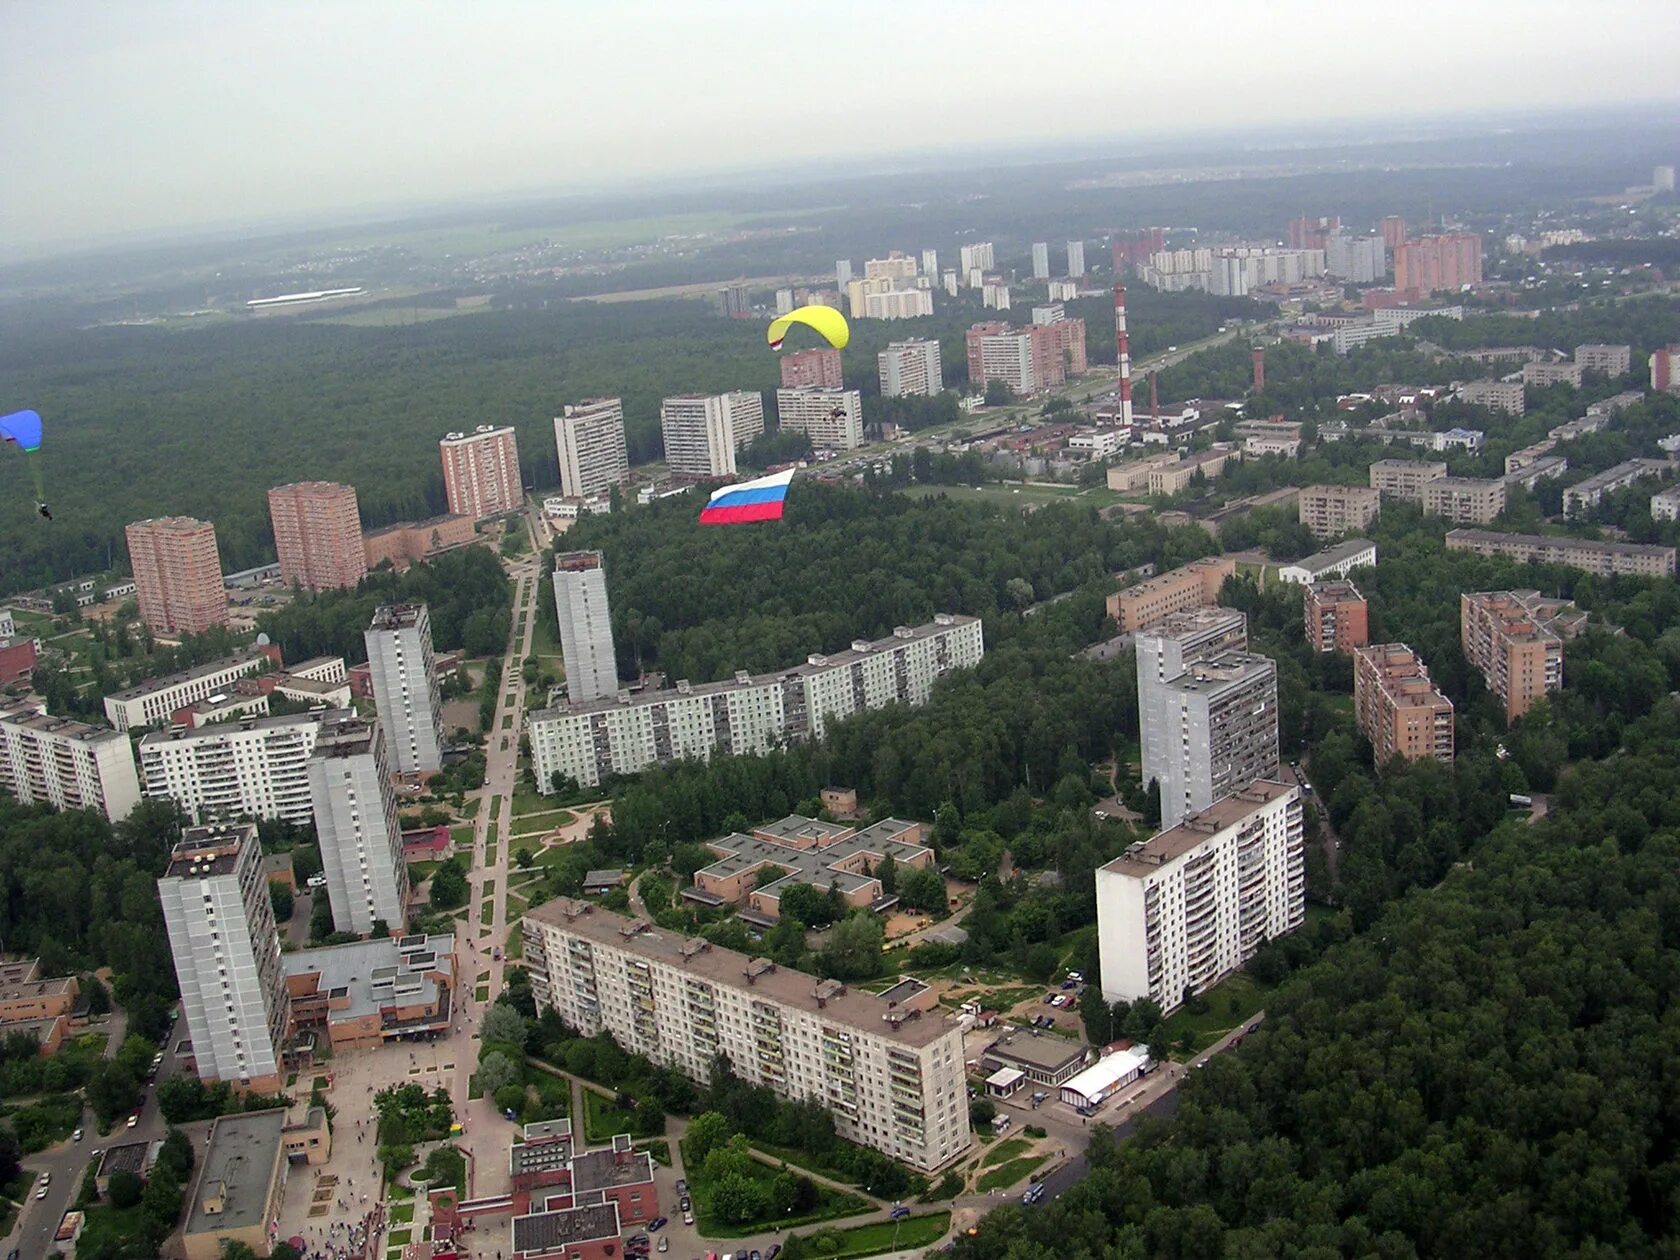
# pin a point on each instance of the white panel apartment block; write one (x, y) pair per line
(356, 821)
(256, 767)
(405, 691)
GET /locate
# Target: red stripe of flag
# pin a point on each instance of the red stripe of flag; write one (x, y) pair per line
(745, 512)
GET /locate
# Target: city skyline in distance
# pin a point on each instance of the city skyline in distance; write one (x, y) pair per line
(171, 116)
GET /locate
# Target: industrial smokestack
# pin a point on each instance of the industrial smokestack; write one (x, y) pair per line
(1259, 369)
(1154, 402)
(1123, 354)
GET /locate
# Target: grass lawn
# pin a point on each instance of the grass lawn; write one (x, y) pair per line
(603, 1119)
(831, 1205)
(544, 820)
(402, 1213)
(461, 837)
(487, 911)
(803, 1159)
(1229, 1005)
(481, 994)
(490, 835)
(399, 1237)
(1008, 1174)
(516, 942)
(102, 1221)
(470, 809)
(525, 801)
(395, 1191)
(659, 1148)
(871, 1240)
(1006, 1151)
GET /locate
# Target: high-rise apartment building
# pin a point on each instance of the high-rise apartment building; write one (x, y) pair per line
(1041, 260)
(888, 1068)
(1665, 369)
(590, 439)
(1183, 910)
(586, 642)
(843, 272)
(897, 265)
(910, 367)
(481, 471)
(930, 262)
(1164, 651)
(1356, 259)
(177, 575)
(1439, 262)
(1219, 730)
(318, 535)
(1329, 511)
(1076, 258)
(1026, 359)
(403, 671)
(625, 734)
(831, 418)
(1397, 707)
(1194, 585)
(887, 299)
(703, 432)
(820, 368)
(978, 257)
(255, 767)
(1393, 231)
(227, 956)
(64, 763)
(1662, 178)
(1513, 638)
(356, 821)
(1336, 616)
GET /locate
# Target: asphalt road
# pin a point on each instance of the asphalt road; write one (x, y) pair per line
(1075, 1169)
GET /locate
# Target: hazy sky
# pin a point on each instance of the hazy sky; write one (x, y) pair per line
(121, 116)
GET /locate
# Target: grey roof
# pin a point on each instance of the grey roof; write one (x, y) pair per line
(243, 1151)
(814, 866)
(198, 671)
(126, 1157)
(1330, 557)
(1050, 1053)
(607, 1166)
(548, 1231)
(395, 968)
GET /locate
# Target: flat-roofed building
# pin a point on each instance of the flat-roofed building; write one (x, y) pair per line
(589, 439)
(807, 851)
(703, 432)
(1332, 562)
(1184, 909)
(1583, 496)
(64, 763)
(241, 1178)
(481, 471)
(1219, 730)
(1193, 585)
(890, 1072)
(1611, 360)
(366, 993)
(1509, 637)
(177, 575)
(35, 1004)
(1049, 1061)
(355, 808)
(1541, 374)
(318, 535)
(254, 767)
(831, 418)
(1169, 479)
(1506, 396)
(1404, 478)
(1608, 559)
(910, 367)
(403, 672)
(1397, 707)
(1330, 511)
(155, 701)
(1335, 616)
(1665, 504)
(1164, 651)
(1463, 500)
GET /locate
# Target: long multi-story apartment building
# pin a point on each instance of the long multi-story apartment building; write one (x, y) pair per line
(1218, 730)
(1187, 907)
(1463, 500)
(703, 432)
(1336, 616)
(1328, 511)
(626, 733)
(221, 929)
(481, 471)
(1583, 496)
(403, 672)
(177, 575)
(1611, 360)
(888, 1067)
(154, 701)
(64, 763)
(1515, 639)
(812, 369)
(255, 767)
(589, 437)
(1608, 559)
(586, 642)
(1163, 652)
(910, 367)
(1397, 707)
(831, 418)
(349, 776)
(1194, 585)
(318, 535)
(1404, 478)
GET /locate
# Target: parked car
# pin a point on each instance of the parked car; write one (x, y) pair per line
(1076, 977)
(133, 1120)
(774, 1251)
(656, 1224)
(1049, 998)
(42, 1192)
(682, 1188)
(1069, 983)
(688, 1217)
(685, 1204)
(664, 1244)
(76, 1136)
(899, 1212)
(316, 881)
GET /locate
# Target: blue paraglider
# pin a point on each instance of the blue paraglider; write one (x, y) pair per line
(23, 428)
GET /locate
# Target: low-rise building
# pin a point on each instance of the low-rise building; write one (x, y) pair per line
(1169, 479)
(241, 1179)
(1332, 562)
(1516, 461)
(1506, 396)
(365, 993)
(1532, 473)
(1542, 374)
(1047, 1061)
(1608, 559)
(1330, 511)
(153, 702)
(1194, 585)
(806, 851)
(1665, 504)
(1336, 616)
(64, 763)
(1611, 360)
(1583, 496)
(1397, 707)
(1463, 500)
(409, 542)
(1404, 478)
(35, 1004)
(1133, 475)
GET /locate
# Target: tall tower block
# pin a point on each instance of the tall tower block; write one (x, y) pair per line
(1123, 355)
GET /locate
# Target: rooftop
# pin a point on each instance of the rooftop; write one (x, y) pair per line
(212, 849)
(576, 561)
(1495, 537)
(820, 864)
(1336, 591)
(1168, 846)
(27, 715)
(237, 1170)
(1222, 671)
(377, 973)
(250, 657)
(705, 961)
(397, 616)
(609, 1166)
(233, 726)
(1330, 557)
(550, 1231)
(345, 733)
(1047, 1051)
(126, 1157)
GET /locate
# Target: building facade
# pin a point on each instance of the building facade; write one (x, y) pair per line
(355, 809)
(403, 672)
(64, 763)
(1611, 360)
(812, 369)
(589, 438)
(256, 767)
(1508, 636)
(703, 432)
(831, 418)
(910, 367)
(1186, 908)
(226, 947)
(1163, 652)
(1506, 396)
(1332, 562)
(1336, 617)
(1404, 478)
(318, 535)
(1194, 585)
(1608, 559)
(1398, 708)
(889, 1071)
(1584, 496)
(1219, 730)
(1330, 511)
(1041, 260)
(154, 701)
(481, 471)
(177, 575)
(586, 643)
(626, 733)
(1439, 262)
(1463, 500)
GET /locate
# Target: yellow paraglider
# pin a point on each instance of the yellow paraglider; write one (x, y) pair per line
(825, 319)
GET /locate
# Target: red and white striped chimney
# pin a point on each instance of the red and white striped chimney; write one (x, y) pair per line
(1123, 354)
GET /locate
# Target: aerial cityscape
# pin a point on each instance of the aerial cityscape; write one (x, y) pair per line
(591, 687)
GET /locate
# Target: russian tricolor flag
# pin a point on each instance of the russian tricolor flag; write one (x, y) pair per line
(759, 500)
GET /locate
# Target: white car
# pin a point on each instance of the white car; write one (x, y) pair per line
(316, 881)
(76, 1136)
(134, 1120)
(42, 1192)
